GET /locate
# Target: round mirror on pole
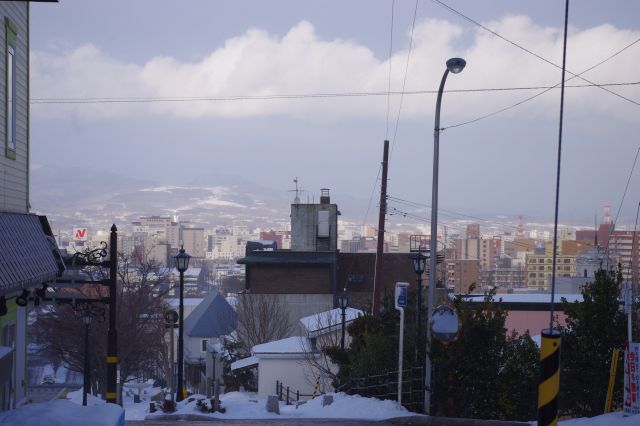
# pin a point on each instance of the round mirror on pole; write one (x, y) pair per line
(445, 324)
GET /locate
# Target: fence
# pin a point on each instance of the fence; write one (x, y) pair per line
(286, 394)
(385, 386)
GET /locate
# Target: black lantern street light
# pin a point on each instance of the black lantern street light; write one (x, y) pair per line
(419, 264)
(343, 301)
(454, 66)
(87, 317)
(182, 264)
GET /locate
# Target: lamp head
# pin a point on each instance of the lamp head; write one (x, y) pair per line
(87, 318)
(23, 299)
(456, 65)
(343, 301)
(182, 260)
(419, 261)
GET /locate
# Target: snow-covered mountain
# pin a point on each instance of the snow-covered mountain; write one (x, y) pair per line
(74, 197)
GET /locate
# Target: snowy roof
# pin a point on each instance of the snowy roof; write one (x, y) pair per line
(27, 257)
(190, 272)
(290, 345)
(213, 317)
(327, 321)
(187, 301)
(248, 362)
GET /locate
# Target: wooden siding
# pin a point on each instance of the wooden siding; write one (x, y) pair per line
(14, 182)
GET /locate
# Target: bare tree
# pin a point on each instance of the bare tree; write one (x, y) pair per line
(139, 323)
(261, 318)
(319, 368)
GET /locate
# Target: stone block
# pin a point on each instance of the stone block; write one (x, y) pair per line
(327, 400)
(273, 405)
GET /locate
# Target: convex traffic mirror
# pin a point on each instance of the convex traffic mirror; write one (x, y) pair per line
(445, 324)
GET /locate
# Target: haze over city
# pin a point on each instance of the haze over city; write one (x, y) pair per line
(177, 93)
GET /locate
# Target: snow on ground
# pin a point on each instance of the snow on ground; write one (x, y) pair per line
(61, 412)
(240, 405)
(616, 419)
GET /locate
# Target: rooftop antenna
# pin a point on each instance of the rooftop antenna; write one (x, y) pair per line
(298, 191)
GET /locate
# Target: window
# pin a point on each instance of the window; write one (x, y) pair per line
(204, 345)
(11, 36)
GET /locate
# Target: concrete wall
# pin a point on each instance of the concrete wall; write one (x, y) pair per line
(297, 373)
(304, 227)
(298, 306)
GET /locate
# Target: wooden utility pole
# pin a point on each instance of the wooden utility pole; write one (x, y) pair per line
(377, 280)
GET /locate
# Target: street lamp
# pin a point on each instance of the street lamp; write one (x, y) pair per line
(182, 264)
(343, 301)
(87, 317)
(454, 65)
(419, 264)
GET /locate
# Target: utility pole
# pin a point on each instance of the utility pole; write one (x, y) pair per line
(112, 336)
(377, 280)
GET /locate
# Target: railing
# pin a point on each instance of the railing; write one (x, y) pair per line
(385, 386)
(286, 394)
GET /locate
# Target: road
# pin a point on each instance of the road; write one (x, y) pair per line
(292, 422)
(42, 393)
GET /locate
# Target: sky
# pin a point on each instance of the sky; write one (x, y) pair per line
(170, 91)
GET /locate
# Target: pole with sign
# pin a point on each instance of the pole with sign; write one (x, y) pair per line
(631, 405)
(401, 303)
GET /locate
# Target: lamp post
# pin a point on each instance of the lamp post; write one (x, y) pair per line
(87, 317)
(419, 264)
(343, 301)
(454, 65)
(182, 264)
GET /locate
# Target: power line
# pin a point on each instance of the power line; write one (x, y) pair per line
(624, 193)
(404, 80)
(491, 114)
(446, 6)
(107, 100)
(393, 2)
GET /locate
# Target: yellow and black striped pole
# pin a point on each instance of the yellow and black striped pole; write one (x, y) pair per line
(549, 385)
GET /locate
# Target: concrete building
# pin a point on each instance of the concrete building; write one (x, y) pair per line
(462, 274)
(620, 244)
(194, 241)
(314, 227)
(309, 279)
(539, 267)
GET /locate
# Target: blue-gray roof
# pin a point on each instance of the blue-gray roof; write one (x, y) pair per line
(26, 254)
(211, 318)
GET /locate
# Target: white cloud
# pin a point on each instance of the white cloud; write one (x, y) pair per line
(257, 64)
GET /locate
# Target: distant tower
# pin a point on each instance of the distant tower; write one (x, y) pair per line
(520, 229)
(607, 214)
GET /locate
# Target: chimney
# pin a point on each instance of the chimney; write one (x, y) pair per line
(324, 196)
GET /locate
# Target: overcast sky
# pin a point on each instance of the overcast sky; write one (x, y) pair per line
(169, 52)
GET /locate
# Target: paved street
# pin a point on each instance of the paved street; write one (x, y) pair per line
(292, 422)
(42, 393)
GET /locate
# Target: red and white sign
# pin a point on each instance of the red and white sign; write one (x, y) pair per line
(632, 380)
(80, 234)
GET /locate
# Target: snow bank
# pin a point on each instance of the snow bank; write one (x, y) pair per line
(349, 407)
(60, 412)
(616, 419)
(239, 405)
